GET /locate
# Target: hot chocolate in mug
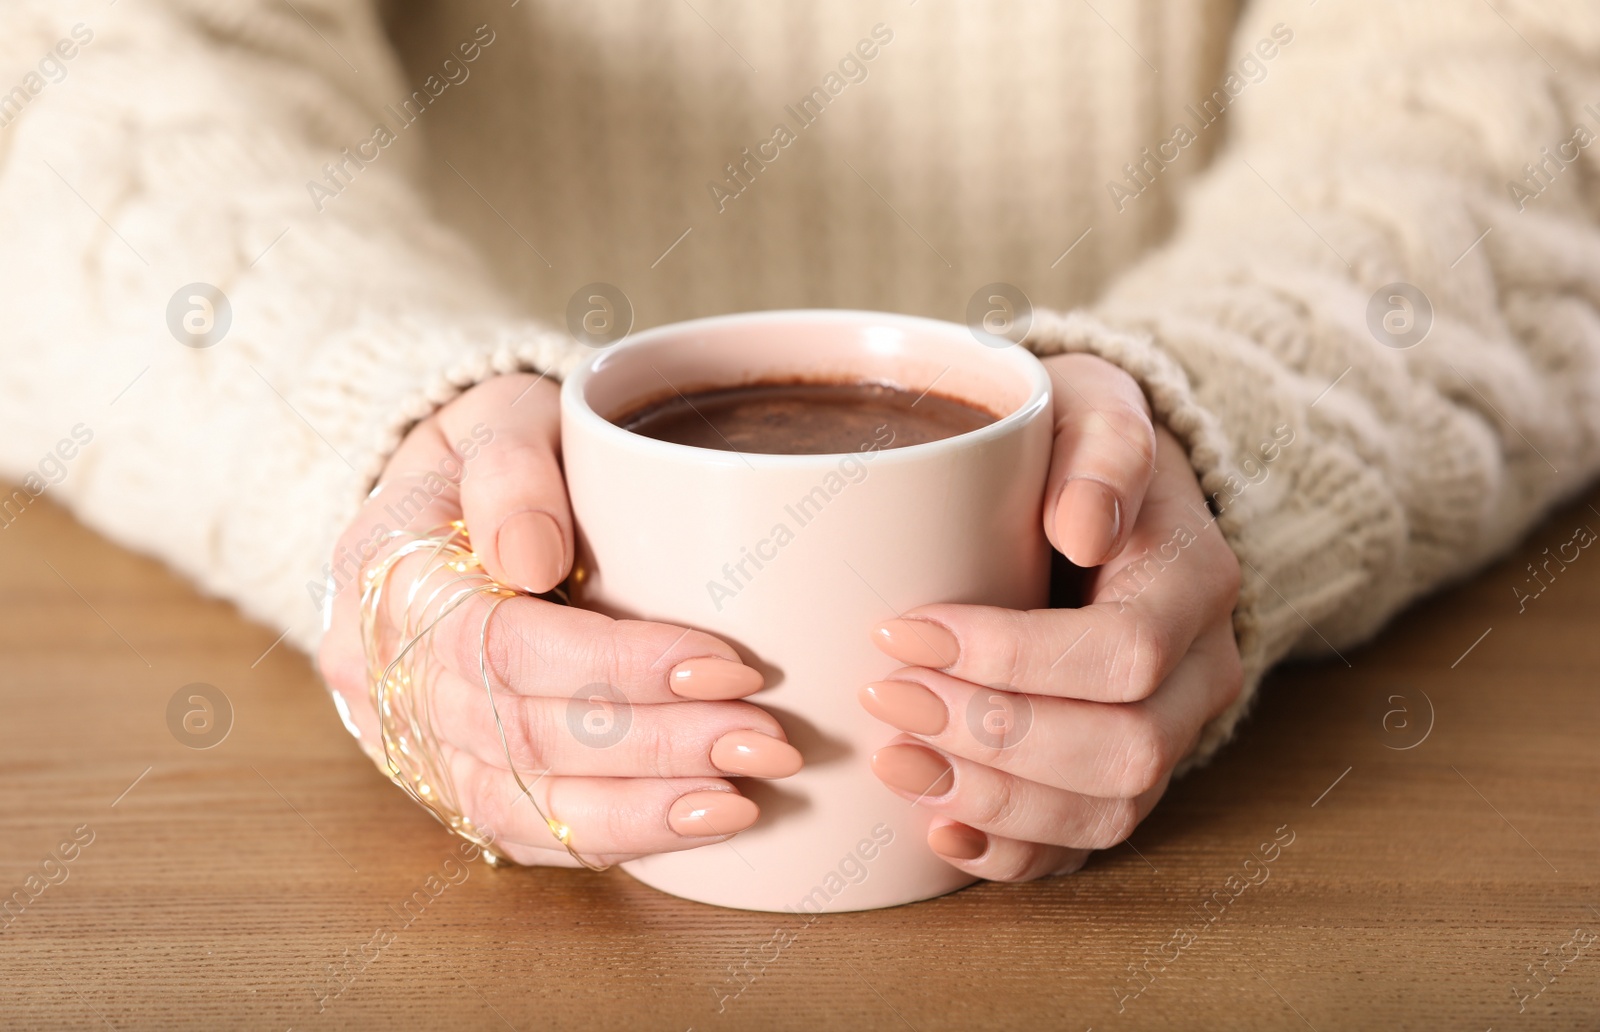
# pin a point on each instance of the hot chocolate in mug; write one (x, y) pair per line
(792, 559)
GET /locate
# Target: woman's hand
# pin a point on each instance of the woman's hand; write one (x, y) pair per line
(1039, 736)
(565, 679)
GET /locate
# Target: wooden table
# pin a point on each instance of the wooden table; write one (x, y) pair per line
(1438, 797)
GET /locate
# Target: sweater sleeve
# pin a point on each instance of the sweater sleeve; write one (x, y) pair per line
(1375, 326)
(226, 297)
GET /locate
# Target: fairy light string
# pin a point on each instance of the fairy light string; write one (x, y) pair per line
(402, 671)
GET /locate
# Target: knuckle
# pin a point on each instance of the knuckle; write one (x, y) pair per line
(1006, 653)
(992, 642)
(1145, 756)
(1140, 660)
(485, 801)
(991, 724)
(528, 725)
(996, 808)
(449, 645)
(620, 817)
(1013, 866)
(669, 754)
(1132, 424)
(629, 653)
(508, 462)
(517, 650)
(1113, 823)
(1118, 421)
(612, 824)
(458, 638)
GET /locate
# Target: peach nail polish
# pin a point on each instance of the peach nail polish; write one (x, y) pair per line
(755, 755)
(713, 678)
(958, 841)
(1088, 517)
(711, 813)
(905, 705)
(917, 643)
(531, 549)
(913, 769)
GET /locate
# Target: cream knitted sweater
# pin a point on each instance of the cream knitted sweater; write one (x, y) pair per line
(394, 219)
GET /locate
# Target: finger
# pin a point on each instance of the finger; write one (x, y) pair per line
(609, 819)
(998, 858)
(1103, 459)
(1094, 653)
(534, 647)
(1118, 649)
(506, 434)
(1109, 750)
(1003, 804)
(593, 735)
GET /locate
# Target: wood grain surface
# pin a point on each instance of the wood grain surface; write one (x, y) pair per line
(1437, 791)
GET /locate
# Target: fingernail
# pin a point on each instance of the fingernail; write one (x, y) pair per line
(711, 813)
(713, 678)
(958, 842)
(917, 643)
(1088, 517)
(755, 755)
(906, 705)
(531, 549)
(913, 769)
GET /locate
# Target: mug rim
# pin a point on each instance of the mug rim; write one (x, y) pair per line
(575, 406)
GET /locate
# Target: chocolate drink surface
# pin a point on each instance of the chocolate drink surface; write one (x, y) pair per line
(790, 418)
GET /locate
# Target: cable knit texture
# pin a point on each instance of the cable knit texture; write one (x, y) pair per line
(1410, 467)
(1231, 274)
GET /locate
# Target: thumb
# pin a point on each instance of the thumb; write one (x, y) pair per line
(513, 495)
(1103, 458)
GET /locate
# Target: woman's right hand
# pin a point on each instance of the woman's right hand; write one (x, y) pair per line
(639, 775)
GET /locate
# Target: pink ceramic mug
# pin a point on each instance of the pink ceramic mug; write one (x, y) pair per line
(791, 559)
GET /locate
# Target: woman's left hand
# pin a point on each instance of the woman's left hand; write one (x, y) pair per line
(1039, 736)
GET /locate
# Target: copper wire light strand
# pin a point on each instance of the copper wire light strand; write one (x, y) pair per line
(402, 686)
(562, 833)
